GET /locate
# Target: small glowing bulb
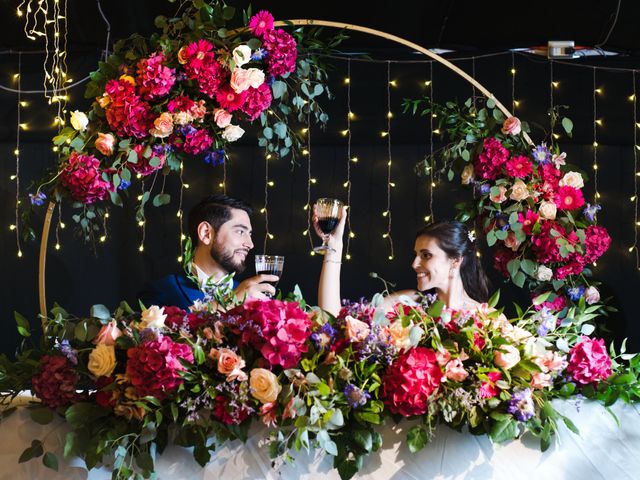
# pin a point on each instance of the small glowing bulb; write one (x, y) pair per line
(19, 253)
(513, 71)
(345, 184)
(141, 248)
(186, 185)
(598, 90)
(24, 126)
(16, 152)
(306, 207)
(555, 84)
(313, 180)
(390, 257)
(221, 184)
(141, 223)
(478, 254)
(312, 253)
(269, 157)
(304, 130)
(434, 115)
(13, 177)
(354, 159)
(595, 166)
(139, 197)
(179, 213)
(437, 131)
(632, 97)
(139, 176)
(389, 114)
(106, 215)
(57, 246)
(348, 256)
(385, 235)
(16, 76)
(270, 236)
(304, 234)
(556, 136)
(270, 183)
(55, 149)
(344, 132)
(385, 213)
(433, 185)
(19, 12)
(384, 134)
(597, 194)
(426, 219)
(599, 122)
(392, 184)
(352, 235)
(263, 210)
(62, 225)
(12, 227)
(427, 83)
(180, 259)
(183, 237)
(103, 238)
(595, 144)
(352, 115)
(24, 104)
(347, 80)
(632, 199)
(631, 248)
(393, 83)
(516, 103)
(305, 152)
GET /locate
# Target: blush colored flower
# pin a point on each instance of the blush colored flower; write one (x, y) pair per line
(82, 177)
(55, 382)
(592, 295)
(572, 179)
(410, 380)
(589, 361)
(154, 367)
(455, 371)
(506, 357)
(264, 385)
(232, 133)
(519, 191)
(162, 126)
(511, 126)
(261, 23)
(356, 330)
(108, 334)
(221, 117)
(105, 143)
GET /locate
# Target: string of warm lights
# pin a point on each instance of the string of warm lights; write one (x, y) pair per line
(17, 155)
(307, 232)
(514, 104)
(179, 214)
(60, 225)
(387, 212)
(634, 247)
(552, 85)
(432, 184)
(103, 238)
(473, 75)
(596, 195)
(141, 217)
(350, 116)
(265, 209)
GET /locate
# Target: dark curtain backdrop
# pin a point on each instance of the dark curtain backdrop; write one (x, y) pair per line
(78, 277)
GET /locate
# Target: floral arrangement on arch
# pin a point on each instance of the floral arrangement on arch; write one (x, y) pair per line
(528, 201)
(122, 381)
(186, 93)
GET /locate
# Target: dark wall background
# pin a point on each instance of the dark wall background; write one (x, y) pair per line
(78, 277)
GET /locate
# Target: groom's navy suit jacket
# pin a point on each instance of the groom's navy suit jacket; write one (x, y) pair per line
(173, 290)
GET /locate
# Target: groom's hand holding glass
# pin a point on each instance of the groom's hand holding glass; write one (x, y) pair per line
(256, 287)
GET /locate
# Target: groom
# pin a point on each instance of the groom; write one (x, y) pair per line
(220, 229)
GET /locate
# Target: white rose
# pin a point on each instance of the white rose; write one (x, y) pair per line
(255, 76)
(572, 179)
(544, 274)
(519, 191)
(467, 175)
(79, 120)
(152, 317)
(548, 210)
(232, 133)
(241, 55)
(592, 295)
(182, 118)
(102, 360)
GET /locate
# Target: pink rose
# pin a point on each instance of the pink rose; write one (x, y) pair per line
(592, 295)
(551, 362)
(512, 242)
(104, 143)
(162, 126)
(240, 80)
(506, 357)
(589, 361)
(501, 196)
(443, 356)
(357, 331)
(108, 334)
(221, 117)
(455, 370)
(511, 126)
(540, 380)
(255, 76)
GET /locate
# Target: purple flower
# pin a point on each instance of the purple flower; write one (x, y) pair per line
(521, 405)
(186, 129)
(214, 157)
(124, 185)
(259, 54)
(38, 198)
(485, 188)
(590, 211)
(64, 347)
(547, 321)
(355, 396)
(375, 349)
(541, 154)
(575, 292)
(324, 337)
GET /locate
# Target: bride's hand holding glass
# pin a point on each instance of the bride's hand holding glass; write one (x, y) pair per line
(332, 242)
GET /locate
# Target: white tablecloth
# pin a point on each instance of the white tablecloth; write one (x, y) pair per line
(602, 451)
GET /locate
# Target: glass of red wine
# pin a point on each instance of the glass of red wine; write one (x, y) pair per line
(270, 265)
(328, 211)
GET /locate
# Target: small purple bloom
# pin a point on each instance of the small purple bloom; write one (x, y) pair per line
(270, 79)
(124, 185)
(38, 198)
(590, 211)
(575, 292)
(214, 157)
(259, 54)
(485, 188)
(181, 77)
(324, 337)
(186, 129)
(150, 334)
(547, 321)
(65, 348)
(355, 396)
(541, 154)
(521, 405)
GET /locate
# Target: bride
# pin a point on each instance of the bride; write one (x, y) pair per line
(445, 262)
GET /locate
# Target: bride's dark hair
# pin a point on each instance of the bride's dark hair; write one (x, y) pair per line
(454, 239)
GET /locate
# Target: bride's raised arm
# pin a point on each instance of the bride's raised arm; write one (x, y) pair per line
(329, 284)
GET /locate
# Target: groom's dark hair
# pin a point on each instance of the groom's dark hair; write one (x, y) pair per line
(454, 239)
(216, 210)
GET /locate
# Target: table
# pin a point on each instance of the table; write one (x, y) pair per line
(603, 450)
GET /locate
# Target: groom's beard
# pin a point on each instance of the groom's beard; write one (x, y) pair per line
(225, 258)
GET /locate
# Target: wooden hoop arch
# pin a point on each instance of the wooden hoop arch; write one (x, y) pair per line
(301, 22)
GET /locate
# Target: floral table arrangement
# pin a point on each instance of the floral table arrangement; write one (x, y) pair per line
(128, 384)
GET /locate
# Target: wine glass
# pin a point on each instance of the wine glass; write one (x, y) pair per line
(270, 265)
(328, 211)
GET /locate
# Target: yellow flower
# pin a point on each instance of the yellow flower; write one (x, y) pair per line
(102, 360)
(264, 385)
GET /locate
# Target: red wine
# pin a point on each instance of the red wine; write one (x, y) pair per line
(327, 224)
(271, 271)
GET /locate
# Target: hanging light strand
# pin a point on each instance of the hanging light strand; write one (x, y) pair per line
(307, 206)
(635, 175)
(431, 160)
(387, 213)
(349, 159)
(60, 224)
(179, 214)
(551, 86)
(17, 154)
(513, 82)
(473, 87)
(596, 194)
(265, 209)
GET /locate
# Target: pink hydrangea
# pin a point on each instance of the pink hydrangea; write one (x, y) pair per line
(282, 52)
(261, 23)
(143, 165)
(491, 159)
(197, 142)
(410, 380)
(573, 266)
(597, 241)
(55, 382)
(154, 79)
(257, 100)
(544, 244)
(589, 361)
(278, 329)
(154, 367)
(82, 177)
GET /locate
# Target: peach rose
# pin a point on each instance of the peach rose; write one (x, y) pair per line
(455, 370)
(357, 331)
(241, 55)
(264, 385)
(572, 179)
(443, 356)
(512, 242)
(162, 126)
(506, 357)
(108, 334)
(467, 175)
(551, 362)
(519, 191)
(540, 380)
(182, 56)
(222, 117)
(229, 364)
(102, 360)
(501, 197)
(104, 143)
(548, 210)
(398, 335)
(104, 100)
(511, 126)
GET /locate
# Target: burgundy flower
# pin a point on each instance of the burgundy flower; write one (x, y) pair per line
(55, 382)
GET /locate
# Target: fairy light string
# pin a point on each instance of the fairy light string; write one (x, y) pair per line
(307, 207)
(634, 247)
(16, 227)
(350, 115)
(387, 212)
(596, 90)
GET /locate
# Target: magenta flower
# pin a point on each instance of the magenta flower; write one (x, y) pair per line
(154, 79)
(257, 100)
(589, 361)
(83, 178)
(261, 23)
